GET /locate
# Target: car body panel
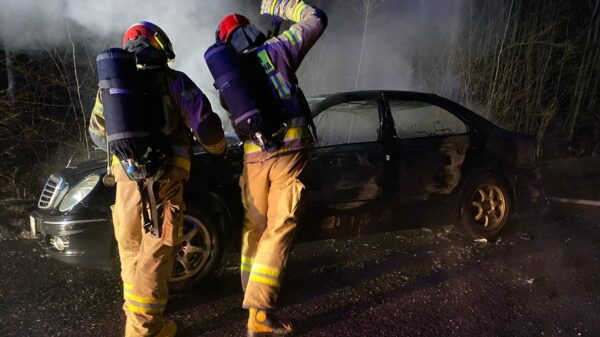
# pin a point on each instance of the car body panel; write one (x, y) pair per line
(90, 240)
(354, 188)
(430, 166)
(344, 174)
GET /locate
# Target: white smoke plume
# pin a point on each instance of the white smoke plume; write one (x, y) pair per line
(370, 44)
(386, 44)
(31, 25)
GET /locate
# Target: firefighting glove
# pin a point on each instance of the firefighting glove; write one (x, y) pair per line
(280, 8)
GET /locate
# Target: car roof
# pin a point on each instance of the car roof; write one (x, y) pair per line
(319, 103)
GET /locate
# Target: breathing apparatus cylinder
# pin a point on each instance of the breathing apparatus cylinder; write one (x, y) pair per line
(126, 129)
(255, 112)
(226, 68)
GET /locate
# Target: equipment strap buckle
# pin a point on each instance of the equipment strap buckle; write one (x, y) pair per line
(152, 224)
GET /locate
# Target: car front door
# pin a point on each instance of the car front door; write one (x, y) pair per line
(345, 169)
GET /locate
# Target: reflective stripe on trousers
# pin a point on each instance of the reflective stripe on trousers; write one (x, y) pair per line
(147, 262)
(271, 192)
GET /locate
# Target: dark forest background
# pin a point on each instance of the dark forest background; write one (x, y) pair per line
(529, 66)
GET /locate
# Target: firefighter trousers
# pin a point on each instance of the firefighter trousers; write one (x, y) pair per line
(271, 192)
(146, 261)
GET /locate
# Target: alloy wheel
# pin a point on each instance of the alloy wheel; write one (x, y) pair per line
(489, 206)
(194, 250)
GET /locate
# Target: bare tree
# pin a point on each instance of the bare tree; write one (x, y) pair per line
(40, 127)
(78, 89)
(589, 59)
(365, 9)
(508, 20)
(535, 66)
(10, 75)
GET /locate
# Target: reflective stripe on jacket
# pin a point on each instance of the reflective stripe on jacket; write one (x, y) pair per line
(281, 56)
(192, 111)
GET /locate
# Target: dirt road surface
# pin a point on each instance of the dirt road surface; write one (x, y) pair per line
(542, 278)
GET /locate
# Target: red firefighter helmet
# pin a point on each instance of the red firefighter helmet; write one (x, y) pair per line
(229, 24)
(150, 34)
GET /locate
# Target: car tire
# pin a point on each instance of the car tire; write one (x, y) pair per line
(199, 253)
(485, 207)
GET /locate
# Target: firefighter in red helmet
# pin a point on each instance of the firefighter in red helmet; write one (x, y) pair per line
(146, 259)
(270, 182)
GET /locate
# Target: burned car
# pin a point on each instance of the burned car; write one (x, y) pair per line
(382, 160)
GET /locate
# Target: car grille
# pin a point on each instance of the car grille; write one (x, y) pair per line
(53, 186)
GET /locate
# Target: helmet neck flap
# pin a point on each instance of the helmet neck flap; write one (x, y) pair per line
(247, 37)
(149, 43)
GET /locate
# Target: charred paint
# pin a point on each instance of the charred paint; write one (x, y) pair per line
(344, 179)
(428, 166)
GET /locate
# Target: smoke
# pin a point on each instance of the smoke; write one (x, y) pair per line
(30, 26)
(387, 44)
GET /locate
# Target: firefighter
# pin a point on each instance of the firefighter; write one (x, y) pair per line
(270, 181)
(147, 261)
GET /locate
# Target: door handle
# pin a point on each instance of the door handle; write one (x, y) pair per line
(375, 158)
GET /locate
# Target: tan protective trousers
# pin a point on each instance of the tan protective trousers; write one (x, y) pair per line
(271, 192)
(147, 262)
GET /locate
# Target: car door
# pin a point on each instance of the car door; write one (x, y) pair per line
(430, 146)
(345, 167)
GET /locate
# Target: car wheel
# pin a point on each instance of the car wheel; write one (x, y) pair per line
(485, 207)
(198, 254)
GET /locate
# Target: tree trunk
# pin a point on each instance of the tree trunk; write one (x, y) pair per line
(583, 77)
(367, 8)
(10, 75)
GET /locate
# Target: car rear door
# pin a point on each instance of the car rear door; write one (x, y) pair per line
(430, 146)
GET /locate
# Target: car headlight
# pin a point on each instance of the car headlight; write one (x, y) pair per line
(78, 192)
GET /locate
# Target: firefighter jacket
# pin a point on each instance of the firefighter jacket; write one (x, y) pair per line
(189, 110)
(281, 56)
